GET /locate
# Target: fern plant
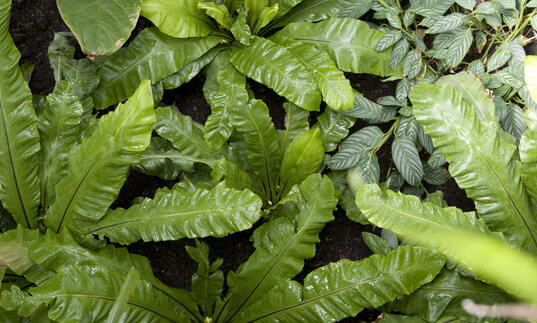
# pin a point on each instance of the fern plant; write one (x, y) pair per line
(498, 244)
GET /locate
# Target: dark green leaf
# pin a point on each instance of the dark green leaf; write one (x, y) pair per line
(334, 127)
(447, 23)
(406, 158)
(376, 243)
(413, 65)
(399, 52)
(354, 146)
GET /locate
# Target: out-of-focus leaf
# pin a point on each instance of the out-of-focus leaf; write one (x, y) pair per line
(150, 56)
(350, 43)
(458, 235)
(530, 74)
(352, 285)
(101, 27)
(178, 213)
(335, 88)
(275, 66)
(282, 245)
(178, 18)
(186, 136)
(481, 161)
(19, 138)
(120, 304)
(98, 167)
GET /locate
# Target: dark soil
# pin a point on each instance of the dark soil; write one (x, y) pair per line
(33, 26)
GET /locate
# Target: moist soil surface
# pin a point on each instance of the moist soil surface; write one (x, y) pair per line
(33, 25)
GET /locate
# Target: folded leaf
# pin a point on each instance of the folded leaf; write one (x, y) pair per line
(273, 65)
(456, 234)
(76, 292)
(264, 153)
(178, 18)
(101, 27)
(224, 88)
(281, 245)
(481, 161)
(345, 288)
(335, 88)
(302, 158)
(179, 213)
(350, 43)
(150, 56)
(98, 167)
(186, 136)
(59, 126)
(190, 70)
(19, 138)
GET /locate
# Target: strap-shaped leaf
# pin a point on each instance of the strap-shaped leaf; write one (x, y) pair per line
(224, 88)
(474, 93)
(76, 292)
(456, 234)
(444, 294)
(101, 27)
(153, 56)
(186, 136)
(38, 257)
(260, 136)
(528, 152)
(302, 158)
(282, 245)
(273, 65)
(345, 288)
(179, 213)
(19, 138)
(178, 18)
(59, 126)
(350, 43)
(98, 167)
(335, 88)
(481, 161)
(296, 122)
(190, 70)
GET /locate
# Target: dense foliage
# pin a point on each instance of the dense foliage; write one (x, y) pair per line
(458, 71)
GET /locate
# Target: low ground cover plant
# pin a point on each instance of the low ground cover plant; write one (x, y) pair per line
(65, 156)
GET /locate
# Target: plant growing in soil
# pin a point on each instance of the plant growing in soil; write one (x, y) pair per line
(499, 244)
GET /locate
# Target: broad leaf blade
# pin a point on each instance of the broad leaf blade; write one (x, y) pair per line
(311, 10)
(178, 18)
(153, 56)
(528, 153)
(179, 213)
(481, 161)
(19, 138)
(345, 288)
(350, 43)
(101, 27)
(282, 245)
(273, 65)
(98, 167)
